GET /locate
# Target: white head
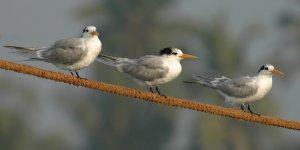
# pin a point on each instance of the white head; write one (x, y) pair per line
(174, 53)
(268, 69)
(89, 31)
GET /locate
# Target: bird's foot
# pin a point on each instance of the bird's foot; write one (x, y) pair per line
(82, 78)
(165, 96)
(254, 113)
(251, 112)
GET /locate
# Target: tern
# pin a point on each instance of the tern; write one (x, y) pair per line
(244, 90)
(70, 54)
(150, 70)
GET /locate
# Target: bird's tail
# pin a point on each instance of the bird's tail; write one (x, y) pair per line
(31, 53)
(109, 60)
(209, 82)
(201, 80)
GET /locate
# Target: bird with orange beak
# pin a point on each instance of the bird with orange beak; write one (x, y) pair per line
(150, 70)
(244, 90)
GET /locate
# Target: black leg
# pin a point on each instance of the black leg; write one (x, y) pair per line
(242, 107)
(252, 111)
(71, 73)
(156, 87)
(77, 74)
(151, 89)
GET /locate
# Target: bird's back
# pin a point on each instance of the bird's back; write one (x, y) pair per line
(238, 88)
(146, 68)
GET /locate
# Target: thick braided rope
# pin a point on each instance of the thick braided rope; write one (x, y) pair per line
(147, 96)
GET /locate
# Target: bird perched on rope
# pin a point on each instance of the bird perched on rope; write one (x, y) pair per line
(70, 54)
(244, 90)
(150, 70)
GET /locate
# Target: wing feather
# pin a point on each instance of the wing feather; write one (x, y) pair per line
(65, 51)
(242, 87)
(146, 68)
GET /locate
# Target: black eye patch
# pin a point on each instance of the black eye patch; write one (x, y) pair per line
(174, 53)
(261, 68)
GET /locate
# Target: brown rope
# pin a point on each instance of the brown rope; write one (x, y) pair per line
(147, 96)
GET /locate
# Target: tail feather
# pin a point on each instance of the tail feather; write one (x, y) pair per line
(209, 82)
(21, 48)
(202, 78)
(193, 82)
(109, 60)
(24, 51)
(107, 57)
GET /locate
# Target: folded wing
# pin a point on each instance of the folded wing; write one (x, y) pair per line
(65, 51)
(240, 88)
(146, 68)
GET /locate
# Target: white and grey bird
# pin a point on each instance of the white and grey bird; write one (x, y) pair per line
(150, 70)
(244, 90)
(70, 54)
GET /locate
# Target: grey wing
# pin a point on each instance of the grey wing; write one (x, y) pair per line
(146, 68)
(242, 87)
(65, 51)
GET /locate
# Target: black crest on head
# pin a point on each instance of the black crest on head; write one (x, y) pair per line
(167, 51)
(263, 68)
(84, 29)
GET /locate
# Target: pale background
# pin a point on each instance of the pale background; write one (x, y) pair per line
(231, 38)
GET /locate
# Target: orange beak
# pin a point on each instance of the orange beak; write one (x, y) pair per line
(187, 56)
(95, 33)
(277, 72)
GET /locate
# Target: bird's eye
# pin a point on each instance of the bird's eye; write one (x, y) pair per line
(174, 53)
(266, 68)
(86, 30)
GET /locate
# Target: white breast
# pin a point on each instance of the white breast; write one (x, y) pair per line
(264, 86)
(93, 47)
(174, 67)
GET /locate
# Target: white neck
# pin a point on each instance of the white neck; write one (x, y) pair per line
(264, 83)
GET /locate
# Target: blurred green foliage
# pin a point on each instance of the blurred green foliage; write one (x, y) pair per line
(133, 28)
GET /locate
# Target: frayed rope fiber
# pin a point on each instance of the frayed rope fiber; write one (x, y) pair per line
(147, 96)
